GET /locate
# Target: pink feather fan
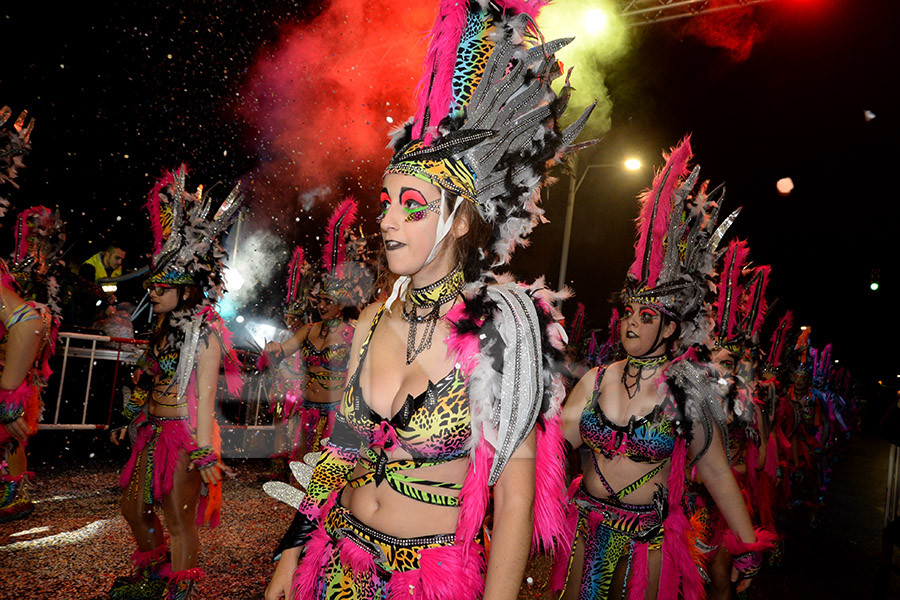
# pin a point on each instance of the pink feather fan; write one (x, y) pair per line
(655, 215)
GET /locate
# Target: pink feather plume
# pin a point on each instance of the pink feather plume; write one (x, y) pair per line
(294, 268)
(341, 220)
(756, 297)
(655, 214)
(154, 208)
(779, 337)
(730, 289)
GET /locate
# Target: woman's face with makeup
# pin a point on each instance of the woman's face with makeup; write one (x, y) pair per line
(642, 330)
(410, 210)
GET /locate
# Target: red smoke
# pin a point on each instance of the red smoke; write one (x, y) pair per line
(320, 99)
(735, 30)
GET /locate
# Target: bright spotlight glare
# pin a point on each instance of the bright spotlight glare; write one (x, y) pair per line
(595, 20)
(239, 318)
(233, 279)
(632, 164)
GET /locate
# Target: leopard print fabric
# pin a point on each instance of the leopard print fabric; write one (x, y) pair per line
(474, 50)
(435, 425)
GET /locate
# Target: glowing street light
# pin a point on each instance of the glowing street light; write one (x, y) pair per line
(632, 164)
(595, 21)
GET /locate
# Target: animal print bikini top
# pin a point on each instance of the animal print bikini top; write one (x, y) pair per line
(647, 439)
(332, 358)
(433, 427)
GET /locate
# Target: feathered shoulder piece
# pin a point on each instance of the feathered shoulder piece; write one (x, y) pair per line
(507, 338)
(695, 399)
(485, 127)
(675, 252)
(187, 234)
(15, 143)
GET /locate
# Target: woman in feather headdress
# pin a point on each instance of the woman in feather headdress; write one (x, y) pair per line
(452, 399)
(648, 417)
(324, 346)
(175, 460)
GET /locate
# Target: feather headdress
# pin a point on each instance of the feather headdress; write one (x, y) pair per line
(675, 251)
(727, 333)
(15, 143)
(299, 284)
(345, 279)
(485, 128)
(39, 237)
(754, 305)
(187, 241)
(803, 352)
(779, 342)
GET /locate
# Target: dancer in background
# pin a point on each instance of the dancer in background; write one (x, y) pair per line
(649, 417)
(28, 327)
(447, 440)
(324, 346)
(286, 381)
(739, 311)
(175, 460)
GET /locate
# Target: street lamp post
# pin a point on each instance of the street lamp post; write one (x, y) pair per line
(575, 181)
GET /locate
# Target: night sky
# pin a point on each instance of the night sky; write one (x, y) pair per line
(120, 92)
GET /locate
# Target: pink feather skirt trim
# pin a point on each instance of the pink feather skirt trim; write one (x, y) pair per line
(348, 556)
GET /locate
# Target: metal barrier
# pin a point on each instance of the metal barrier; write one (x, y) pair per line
(244, 414)
(64, 349)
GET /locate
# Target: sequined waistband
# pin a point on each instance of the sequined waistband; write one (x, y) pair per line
(390, 553)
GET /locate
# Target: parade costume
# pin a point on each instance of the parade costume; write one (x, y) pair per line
(484, 132)
(286, 382)
(28, 275)
(187, 251)
(674, 261)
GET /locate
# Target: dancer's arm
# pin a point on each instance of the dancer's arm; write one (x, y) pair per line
(716, 475)
(280, 350)
(208, 364)
(513, 524)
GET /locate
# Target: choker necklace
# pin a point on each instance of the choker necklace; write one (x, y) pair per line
(431, 297)
(328, 326)
(640, 363)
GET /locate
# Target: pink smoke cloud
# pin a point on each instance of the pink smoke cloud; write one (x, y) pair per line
(734, 30)
(323, 100)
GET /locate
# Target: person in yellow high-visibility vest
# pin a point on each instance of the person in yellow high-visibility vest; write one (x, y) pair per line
(103, 265)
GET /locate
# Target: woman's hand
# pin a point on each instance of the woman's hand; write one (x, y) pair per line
(215, 473)
(18, 429)
(274, 348)
(280, 585)
(117, 435)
